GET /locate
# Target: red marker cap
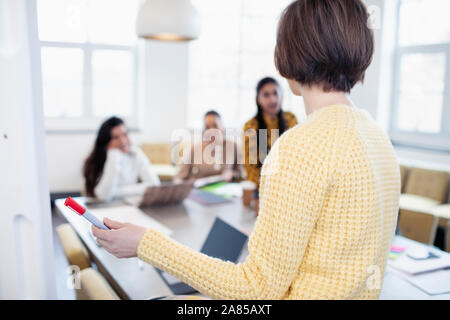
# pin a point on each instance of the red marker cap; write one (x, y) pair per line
(72, 204)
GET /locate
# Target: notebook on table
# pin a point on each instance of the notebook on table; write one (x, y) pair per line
(207, 198)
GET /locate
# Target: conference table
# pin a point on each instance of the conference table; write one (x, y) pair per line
(190, 223)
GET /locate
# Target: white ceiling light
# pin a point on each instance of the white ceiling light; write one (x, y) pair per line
(168, 20)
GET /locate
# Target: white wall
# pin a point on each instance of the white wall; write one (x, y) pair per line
(167, 85)
(163, 109)
(26, 246)
(366, 95)
(374, 94)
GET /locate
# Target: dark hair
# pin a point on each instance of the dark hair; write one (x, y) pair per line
(260, 116)
(212, 113)
(324, 42)
(93, 166)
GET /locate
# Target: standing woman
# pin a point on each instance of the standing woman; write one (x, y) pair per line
(270, 119)
(330, 187)
(114, 167)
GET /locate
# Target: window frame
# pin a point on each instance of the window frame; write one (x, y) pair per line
(289, 101)
(420, 140)
(87, 122)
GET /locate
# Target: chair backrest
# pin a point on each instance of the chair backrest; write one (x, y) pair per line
(74, 249)
(448, 195)
(158, 153)
(418, 226)
(403, 173)
(93, 286)
(427, 183)
(447, 233)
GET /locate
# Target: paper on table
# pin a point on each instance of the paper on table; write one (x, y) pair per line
(411, 266)
(130, 214)
(432, 283)
(133, 200)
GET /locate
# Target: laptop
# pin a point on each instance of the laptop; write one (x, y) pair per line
(164, 194)
(223, 242)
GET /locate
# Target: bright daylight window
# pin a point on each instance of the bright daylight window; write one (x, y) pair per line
(421, 104)
(234, 51)
(89, 57)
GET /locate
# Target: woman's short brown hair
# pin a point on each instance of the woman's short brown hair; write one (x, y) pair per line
(324, 42)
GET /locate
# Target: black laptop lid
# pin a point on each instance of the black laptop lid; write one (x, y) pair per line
(224, 242)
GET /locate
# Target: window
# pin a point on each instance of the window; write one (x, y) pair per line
(89, 58)
(235, 50)
(421, 112)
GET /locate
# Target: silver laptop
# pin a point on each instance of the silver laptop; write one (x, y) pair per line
(165, 194)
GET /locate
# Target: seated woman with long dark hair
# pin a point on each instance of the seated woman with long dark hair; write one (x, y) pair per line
(114, 166)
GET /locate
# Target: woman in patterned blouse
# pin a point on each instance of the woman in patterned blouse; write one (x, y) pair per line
(271, 120)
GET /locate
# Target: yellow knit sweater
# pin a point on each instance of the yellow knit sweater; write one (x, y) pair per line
(328, 210)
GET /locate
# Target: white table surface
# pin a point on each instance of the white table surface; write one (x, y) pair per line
(396, 287)
(191, 223)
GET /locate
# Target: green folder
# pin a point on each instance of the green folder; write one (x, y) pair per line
(213, 187)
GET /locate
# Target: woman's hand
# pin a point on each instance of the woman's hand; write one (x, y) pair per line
(122, 240)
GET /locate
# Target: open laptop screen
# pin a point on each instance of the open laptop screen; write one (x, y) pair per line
(223, 242)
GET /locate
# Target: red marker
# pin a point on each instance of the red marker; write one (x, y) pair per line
(80, 210)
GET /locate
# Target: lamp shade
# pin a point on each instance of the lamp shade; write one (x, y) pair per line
(168, 20)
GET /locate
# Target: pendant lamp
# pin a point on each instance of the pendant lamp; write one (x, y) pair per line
(168, 20)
